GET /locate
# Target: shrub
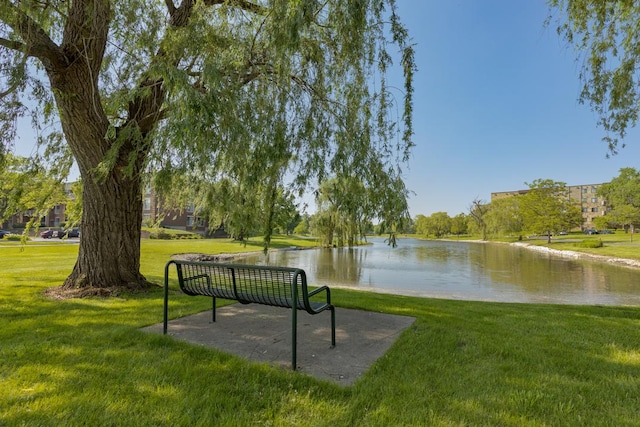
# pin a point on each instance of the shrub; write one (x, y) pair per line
(589, 244)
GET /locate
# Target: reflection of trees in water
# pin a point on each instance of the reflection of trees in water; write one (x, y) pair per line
(431, 253)
(449, 260)
(340, 265)
(325, 265)
(462, 267)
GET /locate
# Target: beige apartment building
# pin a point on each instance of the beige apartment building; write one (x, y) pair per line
(590, 204)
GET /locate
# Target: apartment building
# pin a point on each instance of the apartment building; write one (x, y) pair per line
(184, 219)
(590, 204)
(54, 218)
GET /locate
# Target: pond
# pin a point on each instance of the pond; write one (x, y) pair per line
(463, 270)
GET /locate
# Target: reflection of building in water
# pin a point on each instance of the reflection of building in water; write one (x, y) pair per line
(534, 273)
(601, 279)
(585, 195)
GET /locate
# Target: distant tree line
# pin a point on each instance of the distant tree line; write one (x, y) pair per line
(545, 209)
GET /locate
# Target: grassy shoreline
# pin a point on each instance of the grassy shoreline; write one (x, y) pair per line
(86, 362)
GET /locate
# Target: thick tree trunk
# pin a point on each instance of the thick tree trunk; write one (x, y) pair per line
(109, 255)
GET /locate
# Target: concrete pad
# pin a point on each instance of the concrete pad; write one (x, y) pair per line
(263, 334)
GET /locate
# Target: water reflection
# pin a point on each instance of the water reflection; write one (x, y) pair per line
(463, 270)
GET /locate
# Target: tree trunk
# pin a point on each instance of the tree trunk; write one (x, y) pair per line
(109, 255)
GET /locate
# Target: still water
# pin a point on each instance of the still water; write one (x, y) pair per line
(463, 270)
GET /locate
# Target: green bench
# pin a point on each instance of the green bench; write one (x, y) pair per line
(275, 286)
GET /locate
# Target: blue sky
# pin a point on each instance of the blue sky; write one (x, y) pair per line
(495, 105)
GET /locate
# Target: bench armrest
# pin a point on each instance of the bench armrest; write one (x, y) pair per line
(320, 289)
(318, 307)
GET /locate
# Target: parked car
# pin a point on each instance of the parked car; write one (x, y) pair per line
(3, 233)
(48, 234)
(69, 233)
(590, 231)
(563, 233)
(605, 232)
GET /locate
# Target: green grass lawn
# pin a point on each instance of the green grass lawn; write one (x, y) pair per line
(86, 362)
(618, 245)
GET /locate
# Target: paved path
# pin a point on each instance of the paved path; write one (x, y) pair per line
(263, 334)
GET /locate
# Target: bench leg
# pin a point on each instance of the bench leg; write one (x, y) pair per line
(294, 337)
(213, 309)
(165, 317)
(333, 327)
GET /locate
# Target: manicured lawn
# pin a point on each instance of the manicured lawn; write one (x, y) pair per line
(85, 362)
(617, 245)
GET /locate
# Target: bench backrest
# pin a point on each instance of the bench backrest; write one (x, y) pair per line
(277, 286)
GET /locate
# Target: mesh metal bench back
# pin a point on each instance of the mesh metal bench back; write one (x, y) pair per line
(274, 286)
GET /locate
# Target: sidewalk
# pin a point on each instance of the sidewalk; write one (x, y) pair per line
(263, 334)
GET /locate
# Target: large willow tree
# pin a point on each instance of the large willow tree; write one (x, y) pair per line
(606, 38)
(257, 92)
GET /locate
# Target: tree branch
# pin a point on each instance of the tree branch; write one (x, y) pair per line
(11, 44)
(170, 6)
(36, 42)
(241, 4)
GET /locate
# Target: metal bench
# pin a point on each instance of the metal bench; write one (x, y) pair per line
(275, 286)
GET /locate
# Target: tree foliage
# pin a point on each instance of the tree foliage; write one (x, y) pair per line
(548, 208)
(460, 224)
(243, 210)
(28, 189)
(343, 211)
(504, 216)
(302, 228)
(439, 224)
(622, 195)
(257, 93)
(606, 37)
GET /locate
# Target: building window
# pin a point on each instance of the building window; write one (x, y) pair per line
(147, 203)
(594, 209)
(584, 190)
(584, 200)
(56, 209)
(146, 217)
(594, 200)
(584, 210)
(189, 221)
(191, 208)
